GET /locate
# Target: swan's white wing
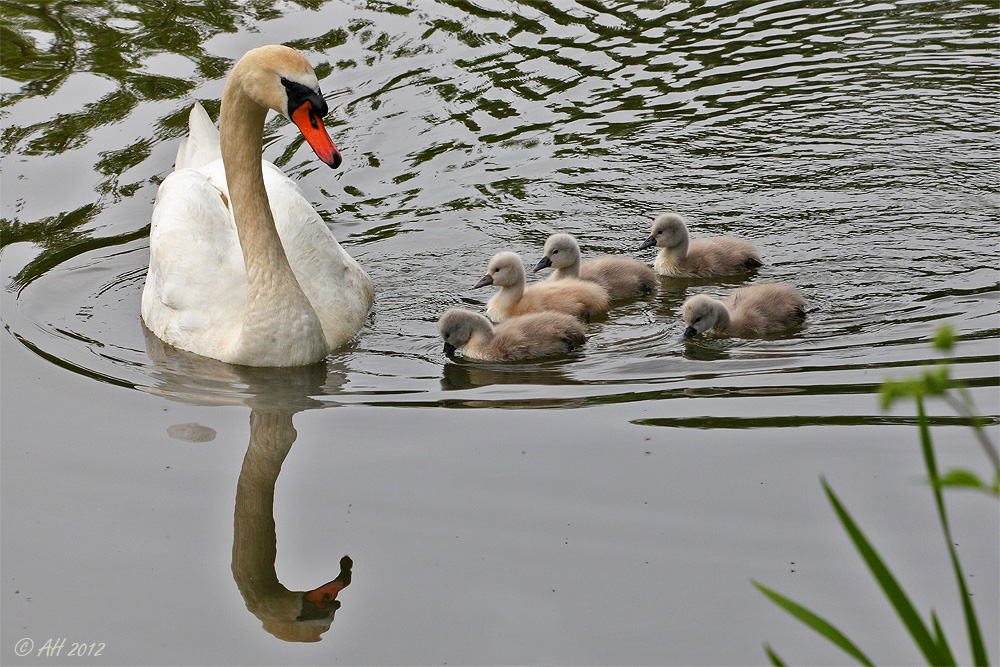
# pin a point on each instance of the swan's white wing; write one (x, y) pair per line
(195, 292)
(202, 145)
(338, 288)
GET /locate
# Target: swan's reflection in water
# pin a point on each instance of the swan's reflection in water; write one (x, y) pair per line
(300, 616)
(274, 395)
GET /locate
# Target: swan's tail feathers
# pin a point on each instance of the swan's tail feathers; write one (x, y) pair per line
(201, 146)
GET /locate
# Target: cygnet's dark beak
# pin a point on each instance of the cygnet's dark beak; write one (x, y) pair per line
(485, 280)
(648, 243)
(690, 332)
(543, 263)
(449, 349)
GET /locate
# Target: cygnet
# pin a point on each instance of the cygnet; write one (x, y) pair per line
(701, 258)
(545, 334)
(576, 297)
(757, 310)
(621, 277)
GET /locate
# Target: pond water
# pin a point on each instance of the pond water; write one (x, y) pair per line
(609, 508)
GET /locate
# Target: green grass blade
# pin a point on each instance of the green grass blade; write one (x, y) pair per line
(942, 642)
(976, 644)
(900, 602)
(815, 622)
(775, 660)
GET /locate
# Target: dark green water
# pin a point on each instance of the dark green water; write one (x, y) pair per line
(617, 517)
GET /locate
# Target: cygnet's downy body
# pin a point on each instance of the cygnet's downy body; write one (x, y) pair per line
(757, 310)
(701, 258)
(575, 297)
(534, 336)
(621, 277)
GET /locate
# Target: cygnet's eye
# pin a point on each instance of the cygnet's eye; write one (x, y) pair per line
(555, 252)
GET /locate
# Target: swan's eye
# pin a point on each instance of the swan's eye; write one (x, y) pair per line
(555, 252)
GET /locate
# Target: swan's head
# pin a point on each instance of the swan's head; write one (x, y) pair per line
(561, 250)
(280, 78)
(505, 269)
(668, 231)
(458, 326)
(701, 313)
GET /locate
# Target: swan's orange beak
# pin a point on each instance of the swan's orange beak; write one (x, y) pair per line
(311, 127)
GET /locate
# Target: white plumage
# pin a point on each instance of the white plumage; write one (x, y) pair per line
(197, 296)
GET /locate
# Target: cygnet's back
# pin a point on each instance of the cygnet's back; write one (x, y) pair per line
(575, 297)
(546, 334)
(700, 258)
(757, 310)
(766, 308)
(621, 277)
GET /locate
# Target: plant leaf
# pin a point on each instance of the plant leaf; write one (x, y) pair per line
(900, 602)
(815, 622)
(942, 642)
(961, 477)
(944, 340)
(971, 623)
(775, 660)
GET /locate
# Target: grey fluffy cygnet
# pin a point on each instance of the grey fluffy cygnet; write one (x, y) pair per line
(576, 297)
(621, 277)
(545, 334)
(757, 310)
(701, 258)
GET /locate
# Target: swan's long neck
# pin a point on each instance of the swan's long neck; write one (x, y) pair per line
(280, 326)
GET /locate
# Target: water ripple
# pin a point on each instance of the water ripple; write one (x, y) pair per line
(850, 141)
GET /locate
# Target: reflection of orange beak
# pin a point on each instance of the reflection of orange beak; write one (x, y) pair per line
(311, 127)
(326, 593)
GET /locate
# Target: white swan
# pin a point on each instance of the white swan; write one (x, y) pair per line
(241, 268)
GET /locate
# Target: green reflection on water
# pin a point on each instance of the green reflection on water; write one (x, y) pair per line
(43, 44)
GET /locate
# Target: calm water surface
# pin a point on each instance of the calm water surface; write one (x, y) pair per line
(608, 508)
